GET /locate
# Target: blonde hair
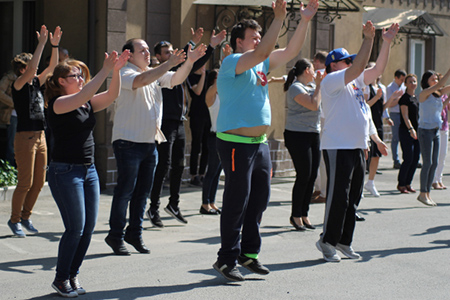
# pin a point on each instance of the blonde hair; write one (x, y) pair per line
(20, 61)
(53, 88)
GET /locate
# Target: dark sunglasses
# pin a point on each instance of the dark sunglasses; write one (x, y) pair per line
(347, 60)
(79, 76)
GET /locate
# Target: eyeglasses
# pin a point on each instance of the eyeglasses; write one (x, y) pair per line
(78, 76)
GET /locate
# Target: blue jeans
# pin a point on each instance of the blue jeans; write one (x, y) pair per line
(136, 164)
(211, 179)
(76, 191)
(429, 147)
(395, 138)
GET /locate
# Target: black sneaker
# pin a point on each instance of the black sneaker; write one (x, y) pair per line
(176, 213)
(76, 286)
(230, 273)
(252, 265)
(155, 219)
(64, 289)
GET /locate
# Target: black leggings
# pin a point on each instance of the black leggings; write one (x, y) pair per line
(305, 153)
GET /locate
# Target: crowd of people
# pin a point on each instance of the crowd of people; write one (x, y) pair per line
(335, 111)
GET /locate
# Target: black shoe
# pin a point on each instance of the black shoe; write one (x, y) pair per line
(64, 289)
(296, 226)
(359, 218)
(252, 265)
(196, 181)
(176, 213)
(212, 211)
(117, 246)
(138, 244)
(155, 219)
(397, 165)
(379, 173)
(230, 273)
(419, 165)
(309, 226)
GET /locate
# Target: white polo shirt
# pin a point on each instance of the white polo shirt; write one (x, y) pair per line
(138, 112)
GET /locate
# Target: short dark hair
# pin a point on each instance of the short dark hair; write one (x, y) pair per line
(158, 46)
(321, 56)
(238, 31)
(129, 45)
(399, 73)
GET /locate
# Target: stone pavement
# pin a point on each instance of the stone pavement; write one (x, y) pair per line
(404, 247)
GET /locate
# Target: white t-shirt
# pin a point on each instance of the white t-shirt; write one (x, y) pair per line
(214, 112)
(346, 115)
(138, 112)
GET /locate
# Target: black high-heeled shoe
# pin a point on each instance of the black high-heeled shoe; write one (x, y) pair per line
(296, 226)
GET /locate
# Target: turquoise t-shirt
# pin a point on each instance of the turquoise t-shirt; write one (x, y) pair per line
(244, 98)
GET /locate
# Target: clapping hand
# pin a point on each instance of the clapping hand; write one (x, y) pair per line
(310, 10)
(122, 60)
(197, 35)
(195, 54)
(42, 35)
(369, 30)
(279, 9)
(177, 57)
(389, 34)
(216, 39)
(56, 36)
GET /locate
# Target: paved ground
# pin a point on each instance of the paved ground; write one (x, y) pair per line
(404, 247)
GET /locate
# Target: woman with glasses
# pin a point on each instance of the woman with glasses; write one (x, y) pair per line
(301, 136)
(409, 110)
(430, 121)
(30, 147)
(72, 176)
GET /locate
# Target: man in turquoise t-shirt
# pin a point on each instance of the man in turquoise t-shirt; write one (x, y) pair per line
(243, 120)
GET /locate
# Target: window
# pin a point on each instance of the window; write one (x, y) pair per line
(417, 57)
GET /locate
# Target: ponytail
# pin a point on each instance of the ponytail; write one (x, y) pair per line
(298, 69)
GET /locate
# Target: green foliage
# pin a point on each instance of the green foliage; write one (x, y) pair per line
(8, 174)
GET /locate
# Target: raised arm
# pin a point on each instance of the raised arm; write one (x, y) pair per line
(362, 58)
(215, 40)
(430, 90)
(251, 58)
(383, 57)
(377, 97)
(280, 57)
(147, 77)
(103, 100)
(55, 38)
(68, 103)
(32, 65)
(182, 73)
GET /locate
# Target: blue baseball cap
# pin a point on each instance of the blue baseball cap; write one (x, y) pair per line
(337, 55)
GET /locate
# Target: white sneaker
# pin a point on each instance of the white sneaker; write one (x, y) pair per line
(328, 251)
(348, 251)
(372, 189)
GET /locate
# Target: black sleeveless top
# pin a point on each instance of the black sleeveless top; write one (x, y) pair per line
(29, 105)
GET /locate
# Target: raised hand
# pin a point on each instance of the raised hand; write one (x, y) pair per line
(195, 54)
(123, 58)
(397, 93)
(310, 10)
(56, 36)
(177, 57)
(42, 35)
(318, 79)
(216, 39)
(389, 34)
(226, 50)
(110, 60)
(369, 30)
(380, 92)
(279, 9)
(197, 35)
